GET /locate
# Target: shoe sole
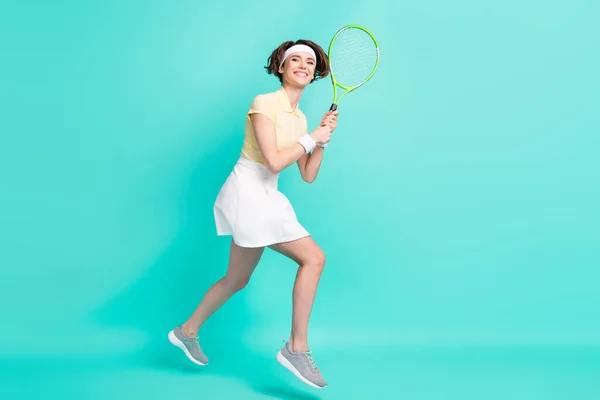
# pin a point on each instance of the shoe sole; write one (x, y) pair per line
(176, 342)
(289, 366)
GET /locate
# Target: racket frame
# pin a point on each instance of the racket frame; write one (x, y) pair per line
(334, 81)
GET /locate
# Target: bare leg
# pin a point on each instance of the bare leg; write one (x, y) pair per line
(311, 261)
(242, 262)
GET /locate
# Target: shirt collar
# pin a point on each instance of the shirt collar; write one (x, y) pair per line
(285, 101)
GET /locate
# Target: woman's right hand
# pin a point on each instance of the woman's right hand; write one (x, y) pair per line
(322, 134)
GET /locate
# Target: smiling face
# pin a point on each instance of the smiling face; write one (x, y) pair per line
(298, 69)
(298, 63)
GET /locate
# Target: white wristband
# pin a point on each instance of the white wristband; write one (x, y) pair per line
(322, 144)
(308, 143)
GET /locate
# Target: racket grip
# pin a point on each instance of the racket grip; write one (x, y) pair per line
(333, 107)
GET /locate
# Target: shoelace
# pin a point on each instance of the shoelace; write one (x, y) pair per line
(311, 360)
(309, 357)
(193, 340)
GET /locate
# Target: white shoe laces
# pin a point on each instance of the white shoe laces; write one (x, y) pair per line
(311, 360)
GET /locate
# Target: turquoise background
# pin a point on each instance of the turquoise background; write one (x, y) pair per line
(458, 202)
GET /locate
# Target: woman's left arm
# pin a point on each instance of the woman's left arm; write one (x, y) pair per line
(309, 164)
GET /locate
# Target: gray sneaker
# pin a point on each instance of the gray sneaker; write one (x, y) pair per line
(190, 346)
(302, 365)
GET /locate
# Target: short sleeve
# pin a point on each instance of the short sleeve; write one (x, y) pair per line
(260, 106)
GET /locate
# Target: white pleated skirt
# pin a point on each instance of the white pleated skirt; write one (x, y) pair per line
(251, 209)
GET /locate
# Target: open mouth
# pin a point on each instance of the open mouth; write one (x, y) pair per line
(301, 74)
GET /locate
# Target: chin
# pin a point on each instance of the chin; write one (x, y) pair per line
(301, 82)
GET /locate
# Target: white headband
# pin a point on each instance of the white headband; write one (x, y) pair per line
(298, 48)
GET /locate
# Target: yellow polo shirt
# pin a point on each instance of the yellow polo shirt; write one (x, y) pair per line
(290, 124)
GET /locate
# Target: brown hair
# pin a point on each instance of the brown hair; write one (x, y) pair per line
(321, 69)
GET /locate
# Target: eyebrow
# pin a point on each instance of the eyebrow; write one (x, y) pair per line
(310, 57)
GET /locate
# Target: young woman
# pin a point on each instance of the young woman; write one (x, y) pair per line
(250, 208)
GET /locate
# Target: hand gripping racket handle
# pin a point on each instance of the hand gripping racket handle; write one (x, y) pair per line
(333, 107)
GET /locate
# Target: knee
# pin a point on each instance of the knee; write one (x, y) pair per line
(241, 284)
(236, 284)
(316, 259)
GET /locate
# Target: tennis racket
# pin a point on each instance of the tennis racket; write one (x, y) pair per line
(353, 59)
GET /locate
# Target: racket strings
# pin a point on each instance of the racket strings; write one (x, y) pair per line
(353, 57)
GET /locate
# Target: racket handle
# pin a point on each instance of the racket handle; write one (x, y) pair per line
(333, 107)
